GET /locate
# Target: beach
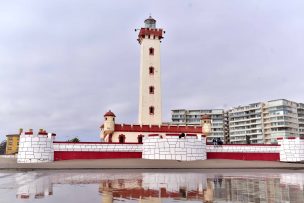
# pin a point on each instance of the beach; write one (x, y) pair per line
(11, 163)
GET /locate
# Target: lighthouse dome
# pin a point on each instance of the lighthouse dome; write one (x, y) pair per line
(150, 23)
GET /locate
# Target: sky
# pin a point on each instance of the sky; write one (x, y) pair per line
(63, 63)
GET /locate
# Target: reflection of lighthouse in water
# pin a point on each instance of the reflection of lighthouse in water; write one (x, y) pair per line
(153, 187)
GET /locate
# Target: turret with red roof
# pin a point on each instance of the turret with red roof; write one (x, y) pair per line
(108, 126)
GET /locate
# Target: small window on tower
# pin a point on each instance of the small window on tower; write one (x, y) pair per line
(151, 51)
(151, 70)
(151, 90)
(151, 110)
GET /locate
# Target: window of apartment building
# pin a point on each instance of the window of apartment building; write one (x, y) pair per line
(151, 70)
(151, 90)
(151, 51)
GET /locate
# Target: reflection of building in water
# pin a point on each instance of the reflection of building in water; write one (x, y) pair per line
(37, 188)
(155, 187)
(257, 188)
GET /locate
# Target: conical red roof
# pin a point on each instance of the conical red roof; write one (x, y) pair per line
(109, 113)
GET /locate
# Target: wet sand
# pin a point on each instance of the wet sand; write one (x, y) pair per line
(11, 163)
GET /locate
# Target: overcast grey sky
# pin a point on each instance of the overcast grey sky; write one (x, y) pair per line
(63, 63)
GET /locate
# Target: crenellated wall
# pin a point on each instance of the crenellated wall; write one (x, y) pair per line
(132, 132)
(171, 147)
(292, 149)
(41, 147)
(36, 148)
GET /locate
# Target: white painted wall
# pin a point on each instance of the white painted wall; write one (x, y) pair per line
(292, 150)
(243, 148)
(35, 148)
(145, 99)
(188, 148)
(85, 147)
(109, 124)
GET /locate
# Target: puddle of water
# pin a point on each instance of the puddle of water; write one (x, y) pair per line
(146, 187)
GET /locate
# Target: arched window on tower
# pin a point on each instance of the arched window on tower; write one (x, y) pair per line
(121, 138)
(151, 90)
(151, 51)
(151, 70)
(140, 138)
(151, 110)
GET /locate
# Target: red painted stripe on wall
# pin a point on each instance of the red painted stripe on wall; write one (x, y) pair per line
(244, 156)
(68, 155)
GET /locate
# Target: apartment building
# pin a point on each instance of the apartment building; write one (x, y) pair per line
(12, 143)
(301, 118)
(280, 119)
(193, 117)
(245, 123)
(256, 123)
(264, 122)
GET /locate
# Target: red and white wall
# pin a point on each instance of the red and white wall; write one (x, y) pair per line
(244, 152)
(132, 132)
(41, 147)
(96, 150)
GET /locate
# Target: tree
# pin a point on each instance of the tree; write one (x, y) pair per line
(3, 147)
(75, 139)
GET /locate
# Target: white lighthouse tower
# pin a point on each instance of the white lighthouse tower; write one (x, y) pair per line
(150, 108)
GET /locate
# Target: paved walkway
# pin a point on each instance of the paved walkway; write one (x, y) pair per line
(150, 164)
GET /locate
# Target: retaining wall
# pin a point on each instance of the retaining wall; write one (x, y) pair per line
(292, 149)
(171, 147)
(96, 150)
(36, 148)
(265, 152)
(42, 148)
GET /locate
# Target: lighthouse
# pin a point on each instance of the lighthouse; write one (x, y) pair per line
(150, 104)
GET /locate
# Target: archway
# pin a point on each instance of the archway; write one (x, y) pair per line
(121, 138)
(140, 138)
